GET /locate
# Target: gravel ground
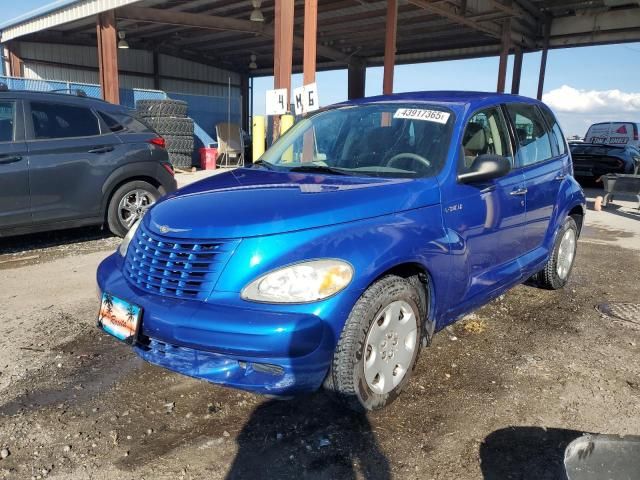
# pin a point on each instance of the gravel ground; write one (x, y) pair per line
(497, 396)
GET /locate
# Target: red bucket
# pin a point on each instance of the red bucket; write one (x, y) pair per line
(208, 156)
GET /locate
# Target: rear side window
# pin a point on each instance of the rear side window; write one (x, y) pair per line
(111, 122)
(119, 121)
(557, 138)
(7, 121)
(531, 134)
(55, 120)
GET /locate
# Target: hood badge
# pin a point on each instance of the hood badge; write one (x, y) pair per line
(167, 228)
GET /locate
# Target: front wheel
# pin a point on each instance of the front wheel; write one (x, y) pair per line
(558, 268)
(128, 203)
(379, 344)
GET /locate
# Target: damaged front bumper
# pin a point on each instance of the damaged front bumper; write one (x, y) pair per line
(262, 348)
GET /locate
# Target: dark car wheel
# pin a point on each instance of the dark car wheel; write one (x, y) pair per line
(161, 108)
(171, 126)
(558, 268)
(379, 345)
(128, 203)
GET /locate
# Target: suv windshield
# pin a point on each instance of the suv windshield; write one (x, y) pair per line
(382, 140)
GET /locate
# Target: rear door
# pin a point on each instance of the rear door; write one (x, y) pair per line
(542, 158)
(14, 167)
(71, 153)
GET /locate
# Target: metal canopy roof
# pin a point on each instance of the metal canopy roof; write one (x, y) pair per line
(218, 32)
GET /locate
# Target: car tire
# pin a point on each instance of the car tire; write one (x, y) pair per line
(363, 373)
(171, 126)
(161, 108)
(179, 144)
(117, 218)
(181, 160)
(557, 270)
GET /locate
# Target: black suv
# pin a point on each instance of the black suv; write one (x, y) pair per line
(69, 161)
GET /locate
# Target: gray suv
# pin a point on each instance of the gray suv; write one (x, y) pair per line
(70, 161)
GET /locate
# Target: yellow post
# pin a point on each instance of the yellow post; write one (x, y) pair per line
(258, 134)
(286, 122)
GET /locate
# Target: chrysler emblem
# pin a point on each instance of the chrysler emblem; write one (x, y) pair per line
(164, 229)
(167, 228)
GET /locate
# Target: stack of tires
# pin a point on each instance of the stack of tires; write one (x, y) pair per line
(169, 119)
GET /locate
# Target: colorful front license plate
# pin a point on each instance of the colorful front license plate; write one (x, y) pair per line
(119, 318)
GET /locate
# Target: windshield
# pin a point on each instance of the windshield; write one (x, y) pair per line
(381, 140)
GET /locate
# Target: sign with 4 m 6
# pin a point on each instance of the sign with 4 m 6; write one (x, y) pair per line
(277, 102)
(305, 99)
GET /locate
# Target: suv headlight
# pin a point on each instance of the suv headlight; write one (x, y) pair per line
(122, 249)
(301, 282)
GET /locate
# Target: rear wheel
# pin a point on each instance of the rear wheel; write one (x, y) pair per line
(558, 268)
(379, 345)
(128, 204)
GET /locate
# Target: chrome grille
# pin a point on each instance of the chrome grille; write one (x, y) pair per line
(181, 268)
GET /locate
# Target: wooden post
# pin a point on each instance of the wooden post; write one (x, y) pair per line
(357, 80)
(517, 71)
(108, 56)
(282, 52)
(504, 55)
(310, 41)
(15, 63)
(543, 60)
(390, 46)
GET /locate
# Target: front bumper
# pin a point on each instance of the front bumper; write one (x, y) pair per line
(262, 348)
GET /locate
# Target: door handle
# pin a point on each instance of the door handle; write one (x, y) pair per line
(10, 158)
(101, 150)
(560, 177)
(519, 191)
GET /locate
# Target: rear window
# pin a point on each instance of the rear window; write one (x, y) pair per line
(56, 120)
(612, 133)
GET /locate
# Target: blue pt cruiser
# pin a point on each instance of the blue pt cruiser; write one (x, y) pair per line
(365, 229)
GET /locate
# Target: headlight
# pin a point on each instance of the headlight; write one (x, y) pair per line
(301, 282)
(122, 249)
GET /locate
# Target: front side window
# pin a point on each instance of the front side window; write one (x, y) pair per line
(55, 120)
(7, 121)
(531, 134)
(486, 133)
(381, 140)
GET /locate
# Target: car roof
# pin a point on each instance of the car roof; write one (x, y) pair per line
(61, 97)
(460, 98)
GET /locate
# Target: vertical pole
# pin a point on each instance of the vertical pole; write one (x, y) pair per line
(356, 82)
(543, 60)
(504, 55)
(310, 41)
(15, 63)
(390, 46)
(517, 71)
(244, 91)
(156, 70)
(108, 56)
(283, 52)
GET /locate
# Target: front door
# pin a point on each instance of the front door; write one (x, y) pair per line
(14, 167)
(488, 219)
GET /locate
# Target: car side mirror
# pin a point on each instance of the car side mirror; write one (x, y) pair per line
(486, 167)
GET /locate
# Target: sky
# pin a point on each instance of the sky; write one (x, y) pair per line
(582, 85)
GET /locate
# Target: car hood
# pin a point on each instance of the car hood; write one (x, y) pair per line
(250, 202)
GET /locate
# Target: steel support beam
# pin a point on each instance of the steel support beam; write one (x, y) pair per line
(15, 62)
(450, 13)
(504, 55)
(543, 59)
(357, 76)
(310, 41)
(108, 56)
(517, 71)
(391, 30)
(282, 52)
(244, 91)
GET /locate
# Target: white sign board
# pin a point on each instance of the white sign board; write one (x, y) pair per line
(277, 102)
(305, 99)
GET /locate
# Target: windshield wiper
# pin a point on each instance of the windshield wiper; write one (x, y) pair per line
(320, 169)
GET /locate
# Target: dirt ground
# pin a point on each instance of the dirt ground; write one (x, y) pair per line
(497, 396)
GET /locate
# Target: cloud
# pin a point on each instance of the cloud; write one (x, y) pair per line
(577, 109)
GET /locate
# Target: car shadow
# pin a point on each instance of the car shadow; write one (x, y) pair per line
(308, 437)
(56, 238)
(525, 453)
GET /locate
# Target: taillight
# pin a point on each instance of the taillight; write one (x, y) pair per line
(169, 168)
(158, 142)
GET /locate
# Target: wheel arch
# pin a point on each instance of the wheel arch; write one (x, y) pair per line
(142, 171)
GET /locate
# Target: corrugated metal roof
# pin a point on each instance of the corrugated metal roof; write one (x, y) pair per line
(57, 13)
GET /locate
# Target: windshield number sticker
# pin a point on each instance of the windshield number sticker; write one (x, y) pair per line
(420, 114)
